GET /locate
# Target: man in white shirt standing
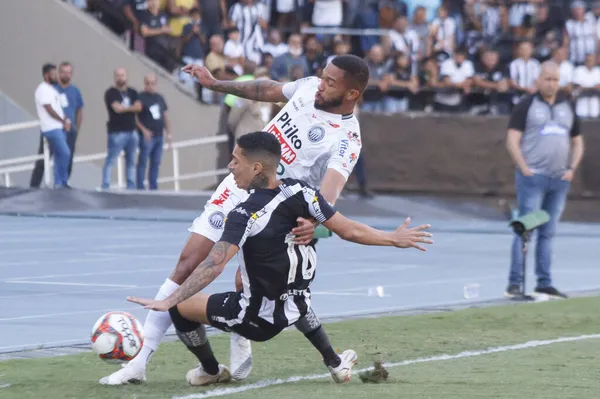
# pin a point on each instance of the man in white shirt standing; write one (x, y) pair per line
(53, 124)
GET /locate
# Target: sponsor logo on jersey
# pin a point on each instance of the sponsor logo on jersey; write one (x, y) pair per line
(295, 106)
(290, 130)
(343, 147)
(333, 125)
(354, 137)
(217, 220)
(352, 158)
(241, 211)
(222, 198)
(316, 134)
(288, 155)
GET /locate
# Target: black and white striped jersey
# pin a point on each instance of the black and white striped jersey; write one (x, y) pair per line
(276, 273)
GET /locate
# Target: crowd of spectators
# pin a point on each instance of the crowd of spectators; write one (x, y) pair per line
(477, 56)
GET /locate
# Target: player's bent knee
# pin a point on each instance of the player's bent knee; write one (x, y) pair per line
(195, 251)
(195, 308)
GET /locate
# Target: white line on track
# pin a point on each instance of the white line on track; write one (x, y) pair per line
(268, 383)
(46, 315)
(71, 284)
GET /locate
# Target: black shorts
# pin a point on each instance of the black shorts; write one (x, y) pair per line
(222, 311)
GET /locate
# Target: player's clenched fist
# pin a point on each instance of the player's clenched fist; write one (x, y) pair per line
(204, 77)
(405, 237)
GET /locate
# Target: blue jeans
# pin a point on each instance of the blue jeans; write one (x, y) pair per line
(152, 149)
(538, 192)
(117, 142)
(57, 141)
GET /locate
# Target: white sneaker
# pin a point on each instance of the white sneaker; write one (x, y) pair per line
(342, 373)
(198, 377)
(129, 374)
(240, 357)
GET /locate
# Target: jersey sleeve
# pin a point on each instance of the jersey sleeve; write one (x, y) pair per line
(237, 226)
(344, 154)
(519, 114)
(318, 207)
(290, 88)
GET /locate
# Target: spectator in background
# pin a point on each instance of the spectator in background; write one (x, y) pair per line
(442, 33)
(53, 125)
(152, 123)
(216, 63)
(314, 56)
(548, 34)
(520, 14)
(580, 34)
(72, 103)
(193, 41)
(122, 103)
(247, 115)
(560, 58)
(420, 26)
(286, 14)
(282, 65)
(340, 47)
(378, 84)
(524, 71)
(134, 10)
(586, 79)
(274, 45)
(492, 80)
(179, 16)
(402, 83)
(214, 14)
(155, 29)
(234, 51)
(249, 19)
(456, 76)
(406, 41)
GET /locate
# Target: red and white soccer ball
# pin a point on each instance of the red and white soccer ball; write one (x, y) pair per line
(117, 337)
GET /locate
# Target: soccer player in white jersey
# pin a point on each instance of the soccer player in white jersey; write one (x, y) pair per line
(320, 143)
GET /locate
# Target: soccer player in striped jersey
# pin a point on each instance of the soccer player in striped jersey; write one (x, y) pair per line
(276, 272)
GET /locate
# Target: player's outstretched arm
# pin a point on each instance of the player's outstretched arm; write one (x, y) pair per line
(258, 90)
(205, 273)
(403, 237)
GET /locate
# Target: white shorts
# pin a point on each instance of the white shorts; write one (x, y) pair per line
(226, 197)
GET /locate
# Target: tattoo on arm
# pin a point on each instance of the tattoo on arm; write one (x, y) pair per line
(258, 90)
(203, 275)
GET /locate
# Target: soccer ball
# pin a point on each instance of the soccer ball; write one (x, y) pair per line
(117, 337)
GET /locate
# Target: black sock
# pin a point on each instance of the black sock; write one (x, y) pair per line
(193, 335)
(320, 340)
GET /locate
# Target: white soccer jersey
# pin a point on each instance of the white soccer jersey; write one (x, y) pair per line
(312, 141)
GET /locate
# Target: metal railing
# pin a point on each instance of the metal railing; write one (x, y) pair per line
(27, 163)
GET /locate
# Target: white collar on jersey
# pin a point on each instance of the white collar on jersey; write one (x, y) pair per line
(328, 115)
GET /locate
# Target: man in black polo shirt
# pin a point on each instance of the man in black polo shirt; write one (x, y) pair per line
(152, 122)
(155, 29)
(122, 104)
(492, 80)
(546, 146)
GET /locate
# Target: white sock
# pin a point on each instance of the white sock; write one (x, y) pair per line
(155, 326)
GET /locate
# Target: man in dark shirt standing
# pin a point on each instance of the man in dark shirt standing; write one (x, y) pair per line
(155, 29)
(152, 123)
(122, 104)
(546, 146)
(492, 80)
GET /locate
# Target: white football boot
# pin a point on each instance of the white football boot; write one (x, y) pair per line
(131, 373)
(343, 372)
(240, 357)
(198, 377)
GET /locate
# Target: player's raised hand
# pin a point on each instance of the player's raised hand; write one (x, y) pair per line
(204, 77)
(412, 237)
(151, 304)
(304, 233)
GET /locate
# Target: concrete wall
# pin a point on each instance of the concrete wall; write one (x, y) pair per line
(40, 31)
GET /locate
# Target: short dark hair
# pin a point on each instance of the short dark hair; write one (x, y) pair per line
(261, 146)
(195, 10)
(356, 70)
(47, 68)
